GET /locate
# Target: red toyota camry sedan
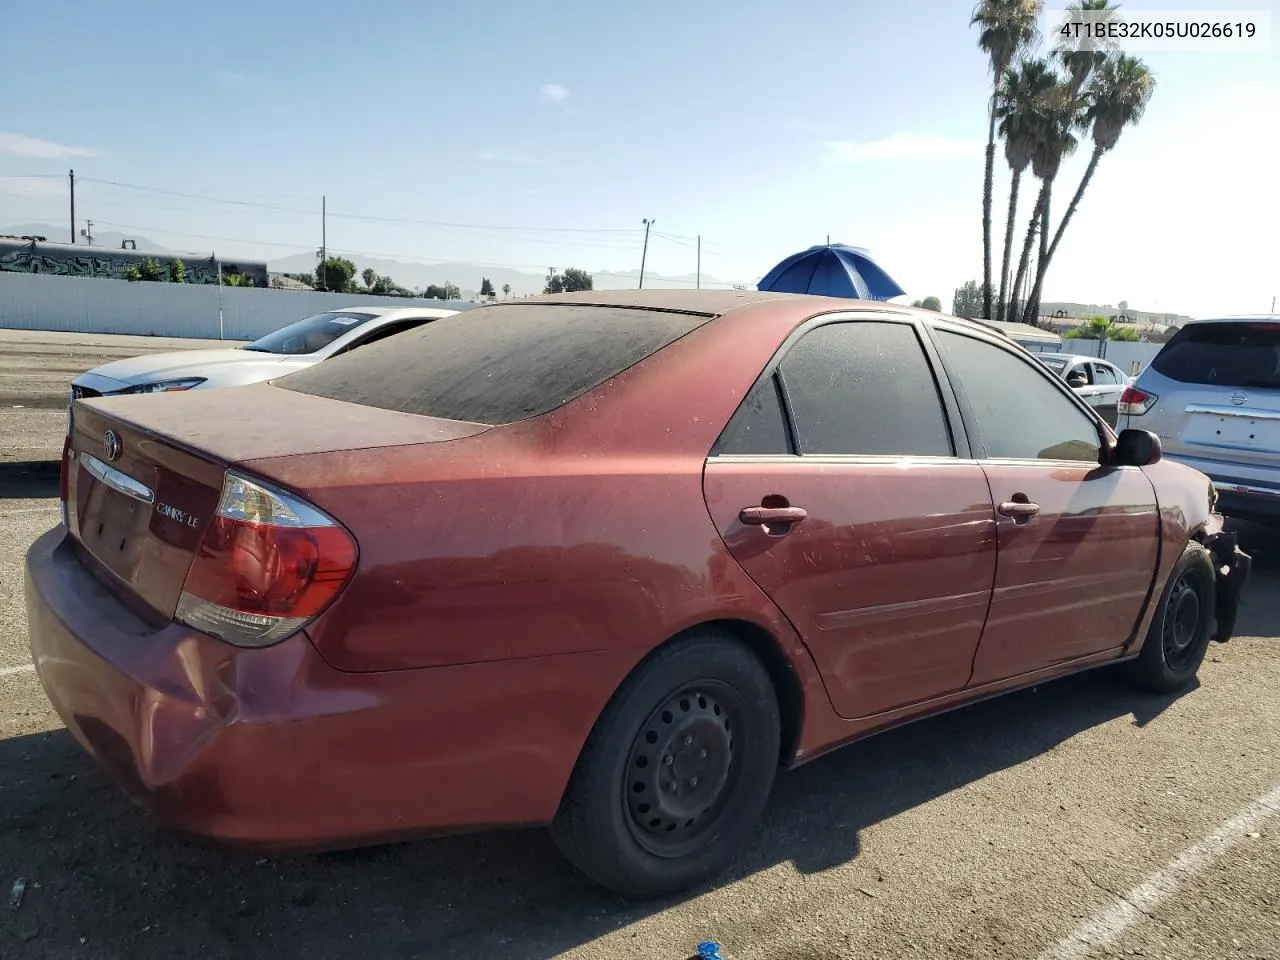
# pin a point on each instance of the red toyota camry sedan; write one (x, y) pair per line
(604, 561)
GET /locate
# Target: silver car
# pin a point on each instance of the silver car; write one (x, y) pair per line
(1096, 382)
(1212, 396)
(290, 348)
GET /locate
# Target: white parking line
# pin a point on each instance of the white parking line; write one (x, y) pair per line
(14, 671)
(1105, 926)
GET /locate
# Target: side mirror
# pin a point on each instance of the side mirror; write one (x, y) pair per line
(1137, 448)
(1077, 380)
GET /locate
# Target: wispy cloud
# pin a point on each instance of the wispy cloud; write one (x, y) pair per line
(556, 95)
(902, 147)
(19, 145)
(504, 156)
(37, 187)
(553, 93)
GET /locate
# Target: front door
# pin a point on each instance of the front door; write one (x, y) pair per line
(1078, 542)
(838, 489)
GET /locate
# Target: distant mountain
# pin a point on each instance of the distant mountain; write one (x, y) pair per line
(101, 238)
(468, 276)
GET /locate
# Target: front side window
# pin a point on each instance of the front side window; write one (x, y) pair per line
(1017, 411)
(864, 388)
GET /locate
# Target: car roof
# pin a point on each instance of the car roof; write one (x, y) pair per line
(1081, 356)
(1240, 318)
(715, 303)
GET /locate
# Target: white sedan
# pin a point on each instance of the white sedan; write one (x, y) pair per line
(286, 350)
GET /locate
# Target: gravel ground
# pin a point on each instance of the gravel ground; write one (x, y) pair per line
(993, 831)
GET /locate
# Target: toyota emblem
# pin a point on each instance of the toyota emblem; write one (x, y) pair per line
(111, 445)
(1239, 398)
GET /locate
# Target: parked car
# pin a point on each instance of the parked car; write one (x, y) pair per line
(603, 561)
(290, 348)
(1095, 381)
(1212, 396)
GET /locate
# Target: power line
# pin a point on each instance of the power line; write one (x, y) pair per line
(303, 246)
(354, 216)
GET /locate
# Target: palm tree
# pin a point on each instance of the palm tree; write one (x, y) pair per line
(1118, 96)
(1055, 115)
(1007, 27)
(1080, 59)
(1022, 88)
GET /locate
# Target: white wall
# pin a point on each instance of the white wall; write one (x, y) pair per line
(94, 305)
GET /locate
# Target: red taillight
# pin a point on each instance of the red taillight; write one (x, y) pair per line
(1134, 402)
(268, 564)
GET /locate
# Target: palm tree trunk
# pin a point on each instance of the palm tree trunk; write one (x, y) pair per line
(1008, 244)
(1032, 314)
(1075, 200)
(987, 183)
(1025, 259)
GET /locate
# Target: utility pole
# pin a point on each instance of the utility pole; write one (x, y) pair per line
(699, 280)
(645, 253)
(324, 245)
(1273, 304)
(87, 233)
(72, 176)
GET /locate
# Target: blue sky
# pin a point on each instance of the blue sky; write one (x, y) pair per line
(763, 126)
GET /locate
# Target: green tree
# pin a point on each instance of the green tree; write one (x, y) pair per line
(369, 276)
(1006, 27)
(571, 281)
(1081, 59)
(967, 300)
(236, 280)
(932, 303)
(445, 291)
(1054, 118)
(1118, 96)
(506, 290)
(1102, 328)
(336, 275)
(178, 272)
(1023, 87)
(486, 287)
(149, 270)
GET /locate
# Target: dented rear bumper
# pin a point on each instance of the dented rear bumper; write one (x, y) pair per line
(1231, 565)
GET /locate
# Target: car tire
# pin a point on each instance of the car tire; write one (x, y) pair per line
(677, 770)
(1182, 626)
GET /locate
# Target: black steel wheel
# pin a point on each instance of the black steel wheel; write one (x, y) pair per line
(677, 770)
(1181, 626)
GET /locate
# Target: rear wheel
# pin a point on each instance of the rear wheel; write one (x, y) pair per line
(1181, 628)
(677, 770)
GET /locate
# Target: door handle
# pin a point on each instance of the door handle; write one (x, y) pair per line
(1019, 509)
(759, 516)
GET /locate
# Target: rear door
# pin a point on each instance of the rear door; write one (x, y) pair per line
(1078, 542)
(1107, 383)
(841, 489)
(1217, 387)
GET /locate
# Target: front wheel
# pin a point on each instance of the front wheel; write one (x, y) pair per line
(1182, 625)
(677, 770)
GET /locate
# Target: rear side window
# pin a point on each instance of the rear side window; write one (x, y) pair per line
(759, 427)
(864, 388)
(1223, 354)
(495, 364)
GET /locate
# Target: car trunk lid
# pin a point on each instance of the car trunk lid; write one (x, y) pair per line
(145, 474)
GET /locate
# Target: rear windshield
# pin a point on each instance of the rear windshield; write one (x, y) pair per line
(309, 335)
(496, 364)
(1226, 354)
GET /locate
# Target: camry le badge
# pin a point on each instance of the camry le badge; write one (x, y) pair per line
(110, 446)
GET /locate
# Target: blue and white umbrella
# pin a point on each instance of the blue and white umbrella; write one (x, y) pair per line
(832, 270)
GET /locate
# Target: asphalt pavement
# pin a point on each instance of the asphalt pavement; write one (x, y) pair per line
(1078, 819)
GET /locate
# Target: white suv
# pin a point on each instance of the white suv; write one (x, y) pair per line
(1212, 396)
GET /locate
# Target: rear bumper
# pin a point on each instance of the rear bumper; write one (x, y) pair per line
(1231, 566)
(1243, 497)
(273, 748)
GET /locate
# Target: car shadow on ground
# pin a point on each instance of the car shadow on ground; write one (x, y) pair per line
(29, 479)
(104, 882)
(130, 889)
